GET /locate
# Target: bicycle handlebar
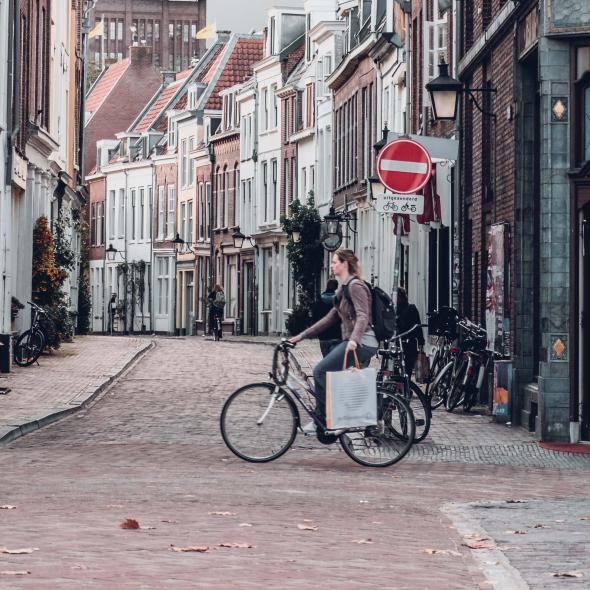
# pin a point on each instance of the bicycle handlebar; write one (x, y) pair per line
(35, 306)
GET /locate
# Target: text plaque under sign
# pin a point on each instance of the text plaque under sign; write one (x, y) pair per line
(393, 203)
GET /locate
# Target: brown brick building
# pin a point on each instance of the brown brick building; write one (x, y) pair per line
(170, 27)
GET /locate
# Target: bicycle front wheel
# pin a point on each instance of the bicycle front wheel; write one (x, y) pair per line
(439, 388)
(456, 391)
(28, 347)
(389, 441)
(259, 422)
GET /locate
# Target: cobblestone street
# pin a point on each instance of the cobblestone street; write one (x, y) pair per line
(150, 449)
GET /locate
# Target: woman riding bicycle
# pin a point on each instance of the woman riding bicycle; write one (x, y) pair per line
(217, 303)
(352, 306)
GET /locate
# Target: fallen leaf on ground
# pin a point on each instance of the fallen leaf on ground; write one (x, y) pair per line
(516, 532)
(307, 527)
(18, 551)
(236, 545)
(221, 513)
(194, 549)
(9, 507)
(129, 523)
(570, 574)
(245, 524)
(442, 552)
(516, 502)
(476, 545)
(14, 573)
(171, 521)
(363, 541)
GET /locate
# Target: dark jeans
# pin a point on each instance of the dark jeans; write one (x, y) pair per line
(410, 353)
(326, 346)
(333, 362)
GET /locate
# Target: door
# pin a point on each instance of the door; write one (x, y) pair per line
(189, 303)
(248, 289)
(584, 314)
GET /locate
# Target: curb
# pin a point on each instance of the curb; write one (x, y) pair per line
(28, 427)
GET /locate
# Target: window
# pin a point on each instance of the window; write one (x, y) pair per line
(172, 131)
(265, 189)
(150, 212)
(93, 224)
(275, 107)
(208, 211)
(133, 219)
(236, 196)
(309, 106)
(201, 211)
(141, 213)
(218, 197)
(184, 162)
(274, 189)
(586, 99)
(226, 190)
(170, 216)
(101, 236)
(189, 226)
(161, 213)
(231, 286)
(267, 278)
(435, 44)
(294, 183)
(182, 231)
(264, 107)
(303, 184)
(112, 214)
(162, 279)
(121, 213)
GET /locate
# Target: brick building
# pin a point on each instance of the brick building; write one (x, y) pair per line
(523, 204)
(170, 27)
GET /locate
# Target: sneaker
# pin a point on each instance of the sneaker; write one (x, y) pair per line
(309, 428)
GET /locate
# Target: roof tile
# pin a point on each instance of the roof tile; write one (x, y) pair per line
(105, 85)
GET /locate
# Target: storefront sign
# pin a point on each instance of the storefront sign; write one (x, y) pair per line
(392, 203)
(497, 312)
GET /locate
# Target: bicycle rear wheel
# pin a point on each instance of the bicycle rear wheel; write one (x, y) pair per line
(418, 402)
(259, 422)
(28, 347)
(456, 391)
(389, 441)
(439, 388)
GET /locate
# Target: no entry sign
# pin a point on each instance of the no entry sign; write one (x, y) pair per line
(404, 166)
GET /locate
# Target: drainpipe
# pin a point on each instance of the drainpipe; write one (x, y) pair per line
(409, 57)
(211, 245)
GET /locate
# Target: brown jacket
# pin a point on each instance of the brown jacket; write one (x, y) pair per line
(356, 318)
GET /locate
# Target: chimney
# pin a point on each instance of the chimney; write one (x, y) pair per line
(140, 55)
(168, 77)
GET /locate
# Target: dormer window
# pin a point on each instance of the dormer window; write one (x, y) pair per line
(192, 98)
(172, 133)
(123, 151)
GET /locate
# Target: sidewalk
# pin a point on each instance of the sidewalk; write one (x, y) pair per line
(63, 381)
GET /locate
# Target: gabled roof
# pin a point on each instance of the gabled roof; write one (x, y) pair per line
(237, 66)
(104, 85)
(158, 105)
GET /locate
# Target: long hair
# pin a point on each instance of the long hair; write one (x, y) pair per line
(217, 288)
(348, 256)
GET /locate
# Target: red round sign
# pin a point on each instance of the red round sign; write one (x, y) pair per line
(404, 166)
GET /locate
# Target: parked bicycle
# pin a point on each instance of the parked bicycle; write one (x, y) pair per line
(31, 343)
(442, 323)
(393, 376)
(259, 422)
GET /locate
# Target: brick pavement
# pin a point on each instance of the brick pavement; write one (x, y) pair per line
(62, 381)
(150, 449)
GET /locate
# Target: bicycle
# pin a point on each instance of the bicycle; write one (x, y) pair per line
(393, 376)
(216, 326)
(442, 323)
(31, 342)
(259, 421)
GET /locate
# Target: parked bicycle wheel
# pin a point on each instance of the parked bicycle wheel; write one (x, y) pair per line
(259, 422)
(389, 441)
(217, 329)
(439, 388)
(456, 391)
(418, 402)
(28, 347)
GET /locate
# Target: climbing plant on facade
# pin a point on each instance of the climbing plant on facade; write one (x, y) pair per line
(306, 259)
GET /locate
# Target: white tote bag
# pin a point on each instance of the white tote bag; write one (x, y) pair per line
(351, 397)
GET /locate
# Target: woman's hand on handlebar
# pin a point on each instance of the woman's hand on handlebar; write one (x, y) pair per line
(295, 339)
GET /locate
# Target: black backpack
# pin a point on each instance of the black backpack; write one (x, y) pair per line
(382, 310)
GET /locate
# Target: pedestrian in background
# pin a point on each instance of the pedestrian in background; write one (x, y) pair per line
(331, 336)
(407, 315)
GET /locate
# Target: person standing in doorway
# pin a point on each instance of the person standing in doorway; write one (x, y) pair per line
(407, 315)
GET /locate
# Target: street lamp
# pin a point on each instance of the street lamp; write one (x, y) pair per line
(112, 252)
(238, 238)
(296, 236)
(179, 243)
(444, 94)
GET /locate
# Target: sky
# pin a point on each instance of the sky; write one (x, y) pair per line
(241, 16)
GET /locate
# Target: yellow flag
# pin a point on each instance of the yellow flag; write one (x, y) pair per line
(207, 32)
(97, 31)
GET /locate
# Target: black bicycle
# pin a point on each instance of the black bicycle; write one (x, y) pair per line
(31, 343)
(259, 421)
(393, 376)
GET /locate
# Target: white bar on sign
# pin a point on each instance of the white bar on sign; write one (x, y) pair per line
(402, 166)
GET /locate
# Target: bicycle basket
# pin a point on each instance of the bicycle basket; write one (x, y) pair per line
(443, 322)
